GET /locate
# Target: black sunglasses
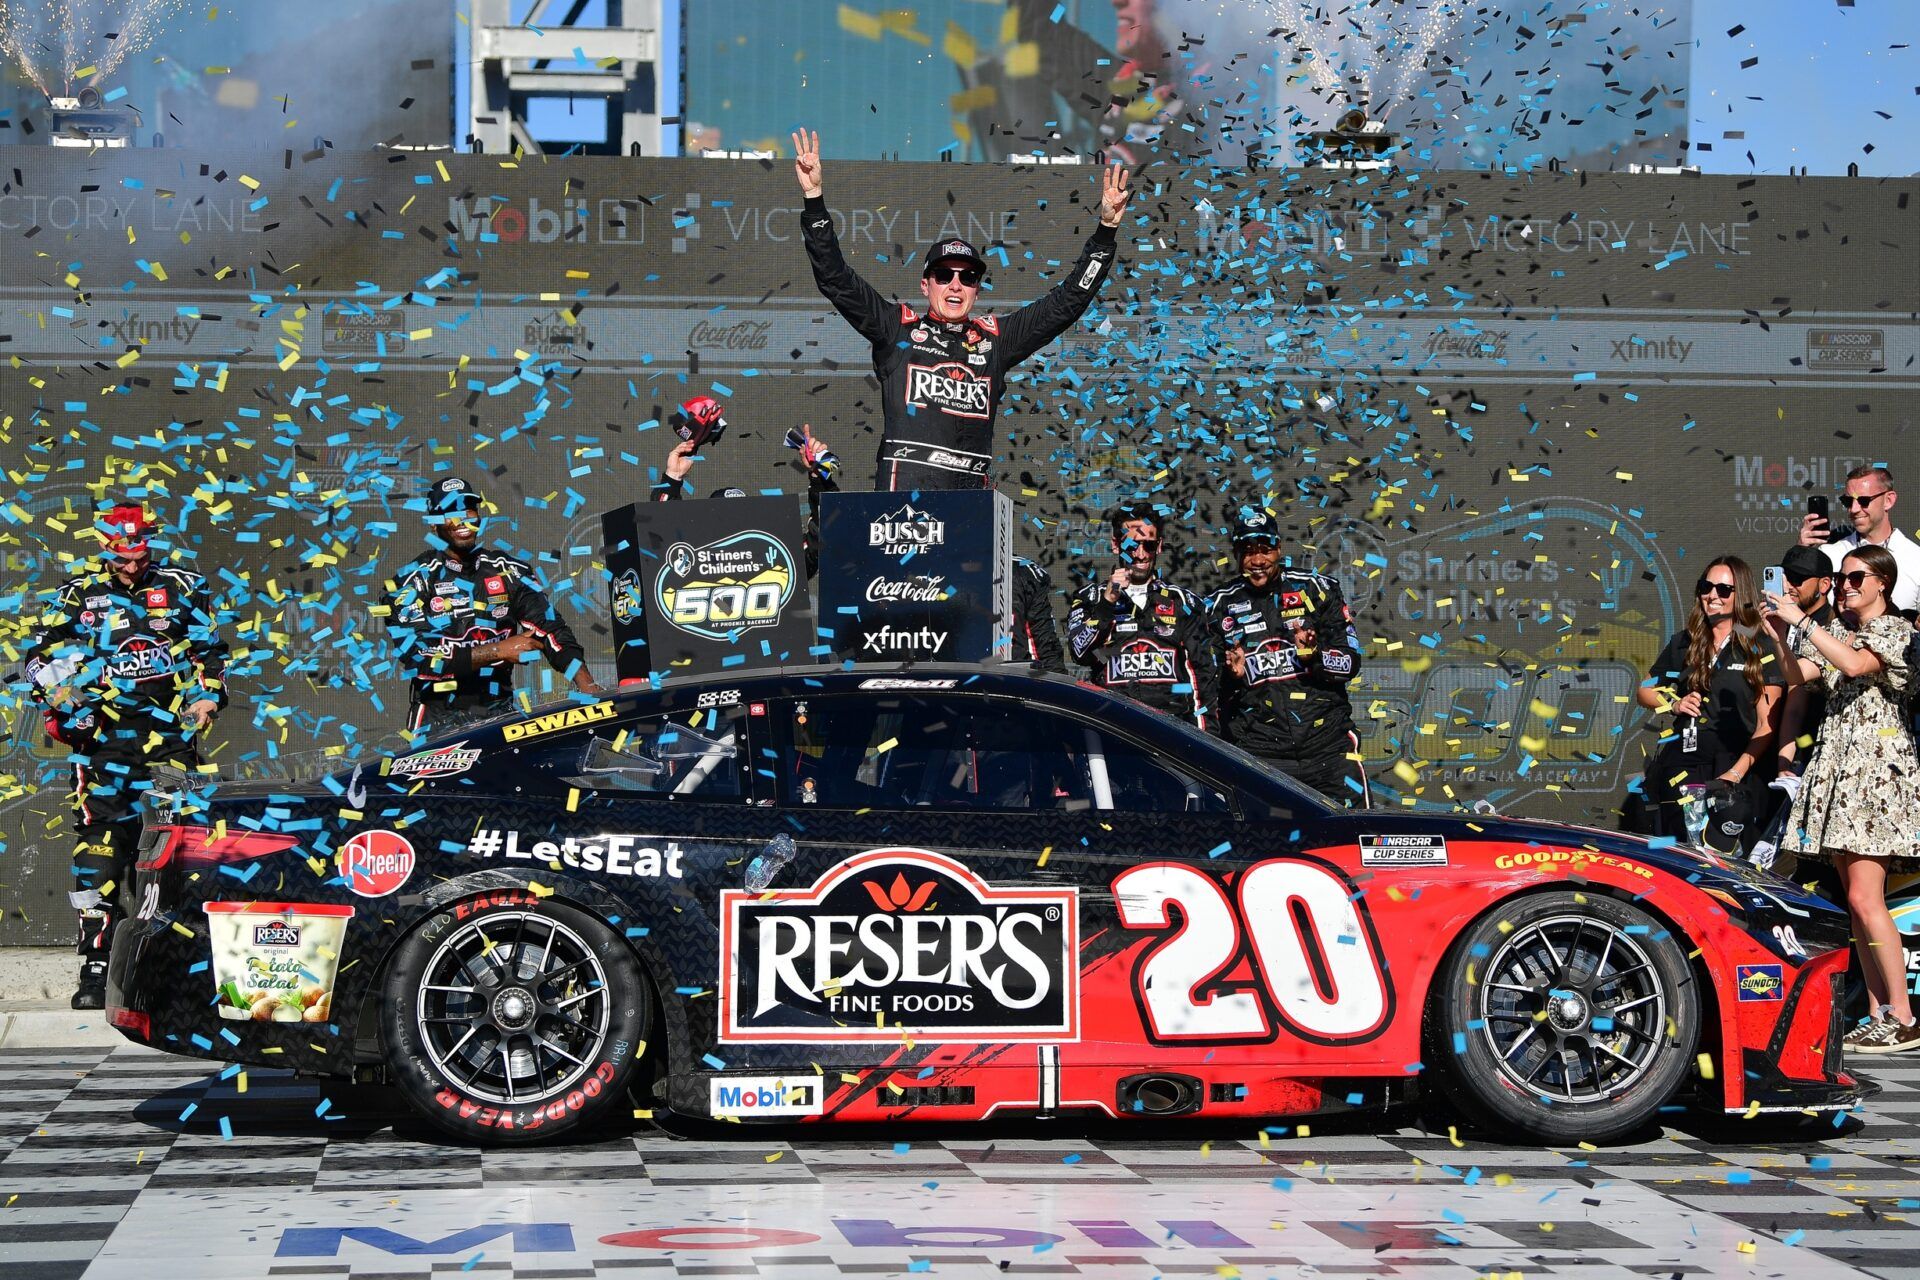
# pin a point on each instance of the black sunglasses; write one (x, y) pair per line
(1705, 588)
(1854, 579)
(968, 276)
(1862, 500)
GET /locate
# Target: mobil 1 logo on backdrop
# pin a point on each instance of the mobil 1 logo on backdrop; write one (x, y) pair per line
(915, 577)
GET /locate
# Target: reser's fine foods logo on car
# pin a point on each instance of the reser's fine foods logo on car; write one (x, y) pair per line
(908, 529)
(718, 590)
(900, 942)
(375, 863)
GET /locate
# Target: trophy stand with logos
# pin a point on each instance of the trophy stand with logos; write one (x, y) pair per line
(918, 577)
(707, 585)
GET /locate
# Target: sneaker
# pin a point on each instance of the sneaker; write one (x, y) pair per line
(1868, 1033)
(91, 993)
(1900, 1037)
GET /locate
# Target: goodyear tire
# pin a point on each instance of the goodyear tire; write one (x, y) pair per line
(1565, 1017)
(509, 1019)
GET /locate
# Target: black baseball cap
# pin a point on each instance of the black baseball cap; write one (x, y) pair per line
(1256, 524)
(941, 250)
(1802, 563)
(451, 494)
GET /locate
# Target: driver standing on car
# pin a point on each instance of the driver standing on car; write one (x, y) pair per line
(942, 373)
(1141, 635)
(463, 615)
(1288, 651)
(129, 665)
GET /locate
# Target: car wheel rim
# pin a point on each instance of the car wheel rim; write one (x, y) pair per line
(1573, 1009)
(513, 1008)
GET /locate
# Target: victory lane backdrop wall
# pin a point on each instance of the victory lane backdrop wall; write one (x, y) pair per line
(1514, 414)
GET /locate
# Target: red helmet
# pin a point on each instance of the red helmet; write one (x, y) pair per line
(126, 528)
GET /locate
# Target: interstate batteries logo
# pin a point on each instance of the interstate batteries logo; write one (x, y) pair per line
(718, 590)
(900, 942)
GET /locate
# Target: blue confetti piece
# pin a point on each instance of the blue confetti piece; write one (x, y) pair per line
(474, 1261)
(1059, 12)
(713, 1062)
(226, 1129)
(920, 1264)
(1072, 1159)
(901, 1148)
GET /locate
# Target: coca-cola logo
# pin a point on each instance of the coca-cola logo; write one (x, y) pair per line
(930, 589)
(741, 335)
(1482, 344)
(900, 943)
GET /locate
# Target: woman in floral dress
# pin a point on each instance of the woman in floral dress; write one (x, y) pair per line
(1859, 802)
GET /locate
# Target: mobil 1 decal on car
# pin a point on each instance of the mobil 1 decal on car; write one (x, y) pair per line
(1285, 946)
(897, 943)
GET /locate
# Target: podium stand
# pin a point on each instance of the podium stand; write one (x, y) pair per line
(707, 585)
(916, 577)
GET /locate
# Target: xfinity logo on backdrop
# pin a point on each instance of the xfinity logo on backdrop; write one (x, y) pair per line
(1639, 348)
(918, 641)
(133, 330)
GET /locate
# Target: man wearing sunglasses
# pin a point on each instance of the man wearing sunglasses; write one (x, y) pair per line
(942, 371)
(463, 615)
(1868, 500)
(129, 667)
(1141, 635)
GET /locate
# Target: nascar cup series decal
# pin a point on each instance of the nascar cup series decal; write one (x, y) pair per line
(1403, 851)
(900, 943)
(743, 580)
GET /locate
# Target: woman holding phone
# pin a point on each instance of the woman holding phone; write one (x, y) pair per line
(1722, 680)
(1859, 802)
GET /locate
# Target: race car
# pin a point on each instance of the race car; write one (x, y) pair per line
(936, 893)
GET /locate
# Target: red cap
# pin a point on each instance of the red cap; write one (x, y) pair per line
(701, 410)
(126, 528)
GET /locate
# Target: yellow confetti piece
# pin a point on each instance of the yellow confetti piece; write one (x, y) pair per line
(182, 930)
(240, 1083)
(1453, 1135)
(1044, 855)
(1623, 475)
(643, 1113)
(251, 184)
(573, 799)
(539, 890)
(775, 1156)
(1705, 1063)
(886, 746)
(1747, 1246)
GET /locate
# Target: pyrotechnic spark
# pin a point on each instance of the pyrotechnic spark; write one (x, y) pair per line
(53, 41)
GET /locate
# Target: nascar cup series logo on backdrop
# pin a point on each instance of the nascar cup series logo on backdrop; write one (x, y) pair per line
(743, 580)
(900, 942)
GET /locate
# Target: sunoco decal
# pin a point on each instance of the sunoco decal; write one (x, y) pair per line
(1759, 982)
(900, 943)
(714, 592)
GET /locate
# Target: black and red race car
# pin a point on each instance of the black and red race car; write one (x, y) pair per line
(947, 893)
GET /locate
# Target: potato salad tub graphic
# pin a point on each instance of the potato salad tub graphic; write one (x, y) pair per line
(275, 961)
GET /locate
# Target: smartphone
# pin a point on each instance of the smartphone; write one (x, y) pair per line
(1817, 506)
(1773, 581)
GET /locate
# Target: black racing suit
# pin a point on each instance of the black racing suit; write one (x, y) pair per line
(1155, 652)
(440, 608)
(940, 383)
(1291, 707)
(1035, 636)
(136, 656)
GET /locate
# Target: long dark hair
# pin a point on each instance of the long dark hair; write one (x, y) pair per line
(1750, 638)
(1881, 564)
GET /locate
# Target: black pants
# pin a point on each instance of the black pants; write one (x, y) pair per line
(1341, 780)
(107, 790)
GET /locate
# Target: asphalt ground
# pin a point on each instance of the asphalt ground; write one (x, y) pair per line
(122, 1162)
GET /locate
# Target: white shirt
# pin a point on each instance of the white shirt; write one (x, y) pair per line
(1906, 554)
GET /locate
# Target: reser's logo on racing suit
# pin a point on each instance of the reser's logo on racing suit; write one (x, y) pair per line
(900, 942)
(1142, 660)
(140, 659)
(1273, 660)
(952, 388)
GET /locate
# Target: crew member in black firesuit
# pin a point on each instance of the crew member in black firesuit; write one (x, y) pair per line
(462, 615)
(129, 665)
(942, 373)
(1035, 637)
(1140, 634)
(1287, 648)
